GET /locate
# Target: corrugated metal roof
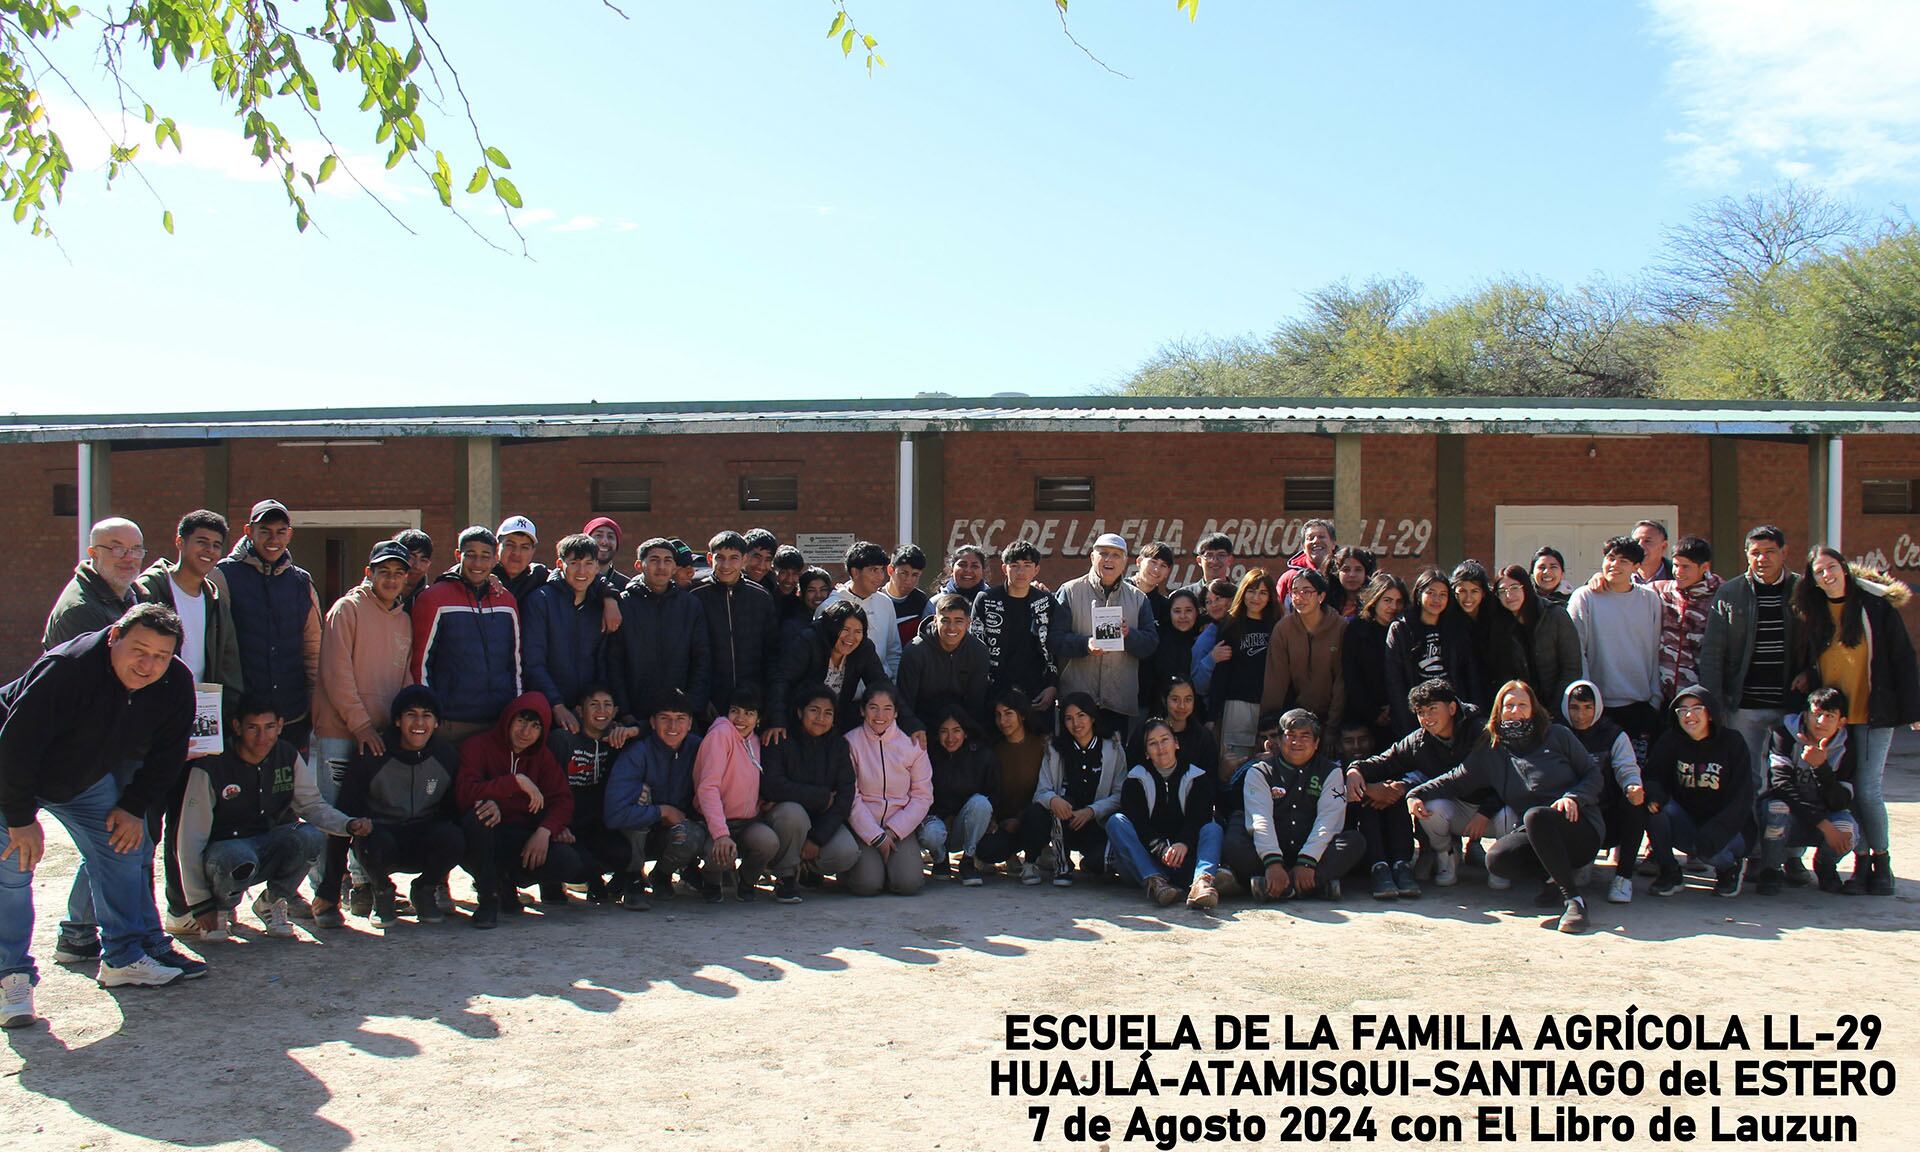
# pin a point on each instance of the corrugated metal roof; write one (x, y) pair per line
(999, 413)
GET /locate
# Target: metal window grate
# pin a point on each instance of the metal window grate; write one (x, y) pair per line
(769, 493)
(1309, 494)
(623, 494)
(1888, 497)
(1063, 493)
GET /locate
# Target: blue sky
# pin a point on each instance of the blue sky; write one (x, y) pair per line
(720, 206)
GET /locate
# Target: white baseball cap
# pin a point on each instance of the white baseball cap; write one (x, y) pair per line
(518, 524)
(1111, 540)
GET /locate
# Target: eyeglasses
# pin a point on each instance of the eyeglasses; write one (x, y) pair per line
(136, 551)
(1691, 709)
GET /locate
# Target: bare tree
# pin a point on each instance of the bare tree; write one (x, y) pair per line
(1732, 244)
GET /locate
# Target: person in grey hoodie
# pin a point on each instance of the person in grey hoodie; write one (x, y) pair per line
(1540, 770)
(1623, 795)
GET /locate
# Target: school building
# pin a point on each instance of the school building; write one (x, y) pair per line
(1421, 482)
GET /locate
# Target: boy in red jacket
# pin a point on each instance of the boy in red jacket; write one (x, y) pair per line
(515, 800)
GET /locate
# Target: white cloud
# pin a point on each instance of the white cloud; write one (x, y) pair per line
(1819, 90)
(578, 224)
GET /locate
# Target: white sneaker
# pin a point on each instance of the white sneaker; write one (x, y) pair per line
(16, 1000)
(277, 922)
(1498, 883)
(297, 908)
(183, 926)
(145, 972)
(1446, 868)
(1029, 873)
(222, 929)
(1620, 890)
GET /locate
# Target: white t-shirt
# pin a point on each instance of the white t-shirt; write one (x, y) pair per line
(193, 622)
(882, 628)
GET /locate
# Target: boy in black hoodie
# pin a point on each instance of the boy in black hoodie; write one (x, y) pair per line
(586, 756)
(407, 792)
(1810, 792)
(1699, 795)
(1623, 794)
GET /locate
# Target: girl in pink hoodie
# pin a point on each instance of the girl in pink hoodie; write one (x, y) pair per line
(726, 792)
(892, 793)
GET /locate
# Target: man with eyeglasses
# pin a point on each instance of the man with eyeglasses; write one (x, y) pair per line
(102, 584)
(276, 615)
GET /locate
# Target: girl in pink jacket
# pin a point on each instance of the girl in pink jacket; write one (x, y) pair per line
(726, 791)
(892, 793)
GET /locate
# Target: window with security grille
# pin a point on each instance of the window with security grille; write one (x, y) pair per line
(1889, 497)
(623, 494)
(1309, 494)
(1063, 493)
(769, 493)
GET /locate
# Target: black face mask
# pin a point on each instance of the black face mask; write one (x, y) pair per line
(1517, 731)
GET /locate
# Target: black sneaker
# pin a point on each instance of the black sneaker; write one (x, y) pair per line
(712, 894)
(1549, 896)
(786, 890)
(596, 890)
(1797, 874)
(970, 873)
(426, 902)
(1770, 881)
(554, 895)
(1727, 881)
(1328, 890)
(1668, 883)
(360, 900)
(486, 913)
(942, 866)
(385, 913)
(190, 968)
(1404, 882)
(70, 951)
(745, 888)
(511, 901)
(1383, 885)
(810, 876)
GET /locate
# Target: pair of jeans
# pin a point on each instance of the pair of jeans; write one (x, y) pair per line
(1870, 784)
(672, 847)
(601, 850)
(964, 835)
(1673, 828)
(794, 824)
(1388, 833)
(278, 858)
(1128, 855)
(121, 886)
(1787, 829)
(331, 755)
(1029, 839)
(81, 925)
(1755, 726)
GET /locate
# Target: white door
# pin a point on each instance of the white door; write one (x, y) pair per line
(1580, 532)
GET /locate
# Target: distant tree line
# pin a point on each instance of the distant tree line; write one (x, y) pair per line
(1787, 295)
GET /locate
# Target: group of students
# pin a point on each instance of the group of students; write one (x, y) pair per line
(750, 727)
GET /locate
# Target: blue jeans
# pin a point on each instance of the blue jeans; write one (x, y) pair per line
(969, 824)
(1755, 726)
(1870, 784)
(331, 755)
(278, 858)
(1672, 827)
(1787, 829)
(81, 926)
(122, 885)
(1127, 854)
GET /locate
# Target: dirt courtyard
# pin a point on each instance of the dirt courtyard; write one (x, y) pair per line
(848, 1023)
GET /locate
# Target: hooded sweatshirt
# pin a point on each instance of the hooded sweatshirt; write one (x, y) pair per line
(726, 777)
(1607, 743)
(365, 651)
(1304, 669)
(1711, 779)
(1813, 792)
(892, 784)
(398, 786)
(489, 767)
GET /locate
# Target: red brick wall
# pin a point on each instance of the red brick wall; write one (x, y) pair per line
(398, 474)
(1883, 541)
(44, 546)
(847, 484)
(1773, 490)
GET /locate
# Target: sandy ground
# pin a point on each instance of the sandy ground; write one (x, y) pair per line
(844, 1023)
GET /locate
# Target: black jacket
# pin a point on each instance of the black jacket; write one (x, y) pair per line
(1712, 779)
(743, 638)
(69, 721)
(805, 662)
(1529, 775)
(1893, 679)
(814, 773)
(664, 643)
(1403, 665)
(401, 787)
(586, 762)
(1020, 635)
(1166, 809)
(960, 776)
(1812, 792)
(1363, 672)
(1420, 756)
(930, 673)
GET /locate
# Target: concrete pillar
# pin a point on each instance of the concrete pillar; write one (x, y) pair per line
(904, 487)
(480, 488)
(1817, 528)
(1836, 492)
(94, 497)
(215, 460)
(1450, 500)
(1346, 486)
(929, 495)
(1726, 533)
